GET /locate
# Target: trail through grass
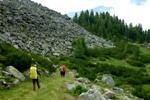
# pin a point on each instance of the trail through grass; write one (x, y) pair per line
(52, 88)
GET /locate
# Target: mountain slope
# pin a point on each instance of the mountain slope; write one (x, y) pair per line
(30, 26)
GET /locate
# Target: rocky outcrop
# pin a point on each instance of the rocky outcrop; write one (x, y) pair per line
(92, 94)
(146, 45)
(30, 26)
(108, 80)
(99, 91)
(10, 76)
(12, 70)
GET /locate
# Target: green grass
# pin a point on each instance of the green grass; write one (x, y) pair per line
(145, 50)
(52, 88)
(146, 87)
(148, 68)
(118, 62)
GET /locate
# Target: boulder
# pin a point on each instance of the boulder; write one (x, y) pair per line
(83, 80)
(108, 80)
(109, 94)
(70, 86)
(126, 98)
(4, 84)
(118, 90)
(5, 73)
(17, 74)
(16, 81)
(91, 94)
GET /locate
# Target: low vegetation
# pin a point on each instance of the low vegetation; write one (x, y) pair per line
(126, 62)
(21, 59)
(52, 88)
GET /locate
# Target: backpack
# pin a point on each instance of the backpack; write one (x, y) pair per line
(33, 73)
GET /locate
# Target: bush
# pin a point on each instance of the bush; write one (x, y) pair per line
(145, 58)
(135, 61)
(79, 48)
(1, 65)
(78, 90)
(124, 50)
(6, 48)
(2, 59)
(141, 92)
(20, 60)
(102, 53)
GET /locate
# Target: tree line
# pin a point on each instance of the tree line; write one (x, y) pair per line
(111, 27)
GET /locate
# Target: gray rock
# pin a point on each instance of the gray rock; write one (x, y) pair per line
(56, 54)
(70, 86)
(118, 90)
(146, 45)
(5, 73)
(16, 81)
(109, 94)
(16, 46)
(4, 84)
(108, 80)
(95, 87)
(12, 70)
(91, 94)
(83, 80)
(126, 98)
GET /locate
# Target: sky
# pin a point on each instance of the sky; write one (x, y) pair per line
(132, 11)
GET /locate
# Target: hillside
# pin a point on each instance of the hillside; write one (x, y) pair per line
(32, 27)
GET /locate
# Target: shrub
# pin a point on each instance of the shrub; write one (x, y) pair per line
(6, 48)
(2, 59)
(135, 61)
(141, 92)
(79, 48)
(20, 60)
(145, 58)
(123, 50)
(1, 65)
(102, 53)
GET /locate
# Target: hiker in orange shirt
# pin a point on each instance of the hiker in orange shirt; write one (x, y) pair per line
(63, 70)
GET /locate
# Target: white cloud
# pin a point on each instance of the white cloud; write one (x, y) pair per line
(65, 6)
(138, 2)
(133, 13)
(124, 9)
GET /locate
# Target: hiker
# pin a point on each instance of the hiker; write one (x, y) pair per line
(63, 70)
(34, 76)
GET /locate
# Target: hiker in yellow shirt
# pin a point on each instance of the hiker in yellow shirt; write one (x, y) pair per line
(34, 76)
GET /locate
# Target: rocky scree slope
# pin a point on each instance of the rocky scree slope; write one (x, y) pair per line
(35, 28)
